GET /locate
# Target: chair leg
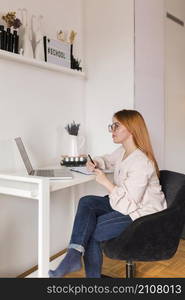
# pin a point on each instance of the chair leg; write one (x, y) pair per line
(105, 276)
(130, 269)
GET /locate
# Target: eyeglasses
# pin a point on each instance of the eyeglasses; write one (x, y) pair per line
(113, 126)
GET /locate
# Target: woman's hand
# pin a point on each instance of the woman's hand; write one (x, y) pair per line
(100, 176)
(102, 179)
(90, 166)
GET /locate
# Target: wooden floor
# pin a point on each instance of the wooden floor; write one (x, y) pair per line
(174, 267)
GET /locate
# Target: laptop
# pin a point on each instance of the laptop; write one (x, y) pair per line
(62, 173)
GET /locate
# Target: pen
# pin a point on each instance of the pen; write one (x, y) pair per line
(91, 159)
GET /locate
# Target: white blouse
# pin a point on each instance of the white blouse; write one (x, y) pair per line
(137, 190)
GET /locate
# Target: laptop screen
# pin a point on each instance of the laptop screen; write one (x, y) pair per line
(24, 155)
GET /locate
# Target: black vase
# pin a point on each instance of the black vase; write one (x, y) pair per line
(2, 37)
(71, 55)
(9, 40)
(15, 42)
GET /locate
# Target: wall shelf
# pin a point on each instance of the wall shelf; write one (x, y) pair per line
(5, 55)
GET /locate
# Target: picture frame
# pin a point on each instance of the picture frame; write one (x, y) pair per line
(57, 52)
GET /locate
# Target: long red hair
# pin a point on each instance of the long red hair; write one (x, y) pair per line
(136, 125)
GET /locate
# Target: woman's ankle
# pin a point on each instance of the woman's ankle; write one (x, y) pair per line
(70, 263)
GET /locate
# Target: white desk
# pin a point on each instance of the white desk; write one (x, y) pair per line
(39, 188)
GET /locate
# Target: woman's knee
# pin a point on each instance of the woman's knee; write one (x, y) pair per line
(85, 200)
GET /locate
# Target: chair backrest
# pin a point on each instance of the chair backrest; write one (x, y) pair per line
(155, 236)
(173, 186)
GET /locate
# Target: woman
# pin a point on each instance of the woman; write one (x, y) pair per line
(135, 192)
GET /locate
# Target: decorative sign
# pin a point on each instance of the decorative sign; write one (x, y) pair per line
(57, 52)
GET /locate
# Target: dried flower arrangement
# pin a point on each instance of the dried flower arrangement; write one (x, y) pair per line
(72, 128)
(72, 36)
(75, 63)
(11, 20)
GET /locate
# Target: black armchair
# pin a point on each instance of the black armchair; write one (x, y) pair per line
(156, 236)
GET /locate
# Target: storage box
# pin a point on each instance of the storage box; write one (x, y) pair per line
(57, 52)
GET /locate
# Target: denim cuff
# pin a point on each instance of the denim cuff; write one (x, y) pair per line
(77, 247)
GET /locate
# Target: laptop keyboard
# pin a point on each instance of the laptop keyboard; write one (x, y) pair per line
(47, 173)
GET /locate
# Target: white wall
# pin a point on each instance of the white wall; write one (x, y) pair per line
(149, 70)
(175, 88)
(30, 96)
(36, 104)
(33, 101)
(109, 57)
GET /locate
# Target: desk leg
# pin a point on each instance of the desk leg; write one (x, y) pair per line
(73, 198)
(76, 191)
(43, 228)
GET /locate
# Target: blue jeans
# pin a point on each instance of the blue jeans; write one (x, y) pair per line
(95, 222)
